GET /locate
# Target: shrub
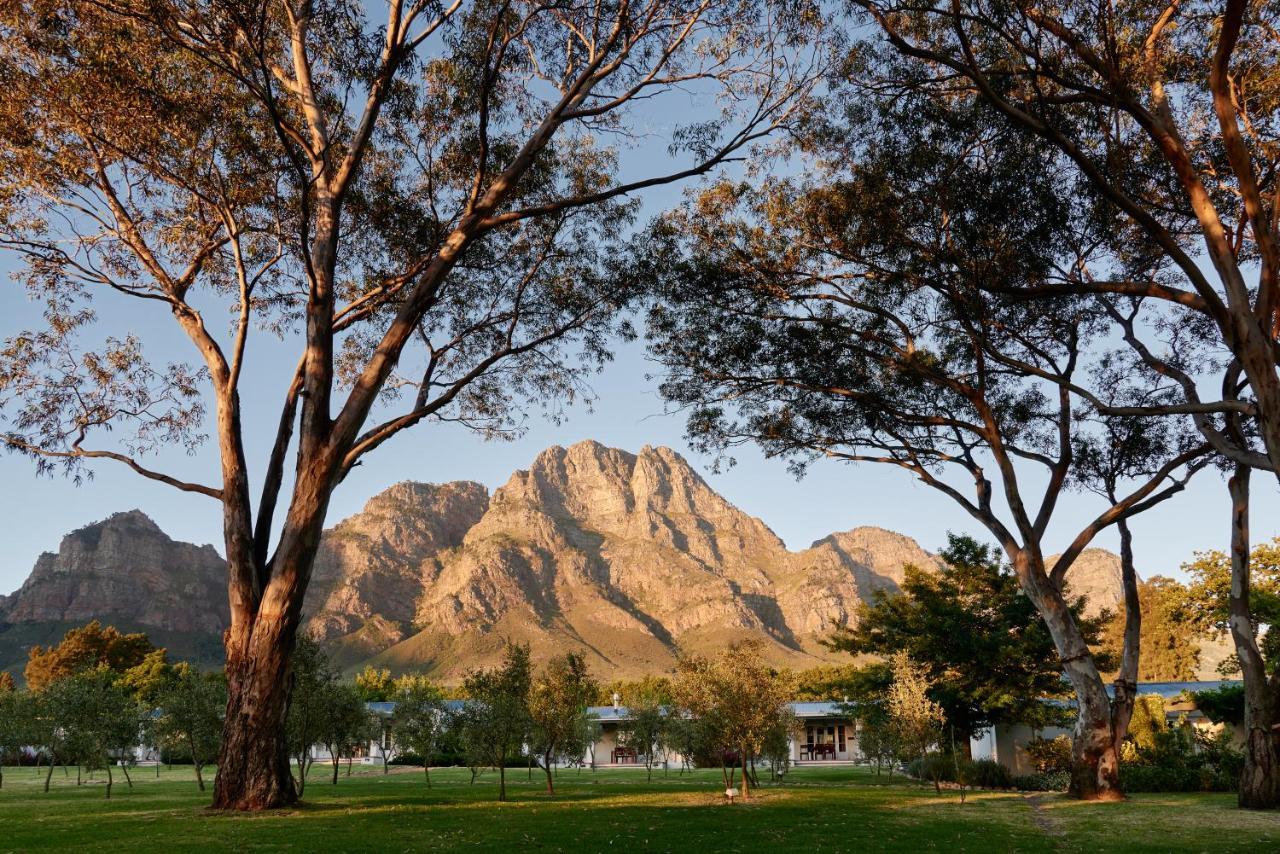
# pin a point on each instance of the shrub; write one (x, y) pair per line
(1157, 778)
(985, 774)
(405, 759)
(1054, 781)
(935, 767)
(1050, 756)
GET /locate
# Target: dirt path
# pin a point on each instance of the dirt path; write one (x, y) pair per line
(1042, 818)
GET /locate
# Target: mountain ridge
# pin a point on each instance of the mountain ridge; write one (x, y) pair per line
(630, 558)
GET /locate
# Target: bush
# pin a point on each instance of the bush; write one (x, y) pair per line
(985, 774)
(1157, 778)
(1054, 781)
(405, 759)
(934, 767)
(1050, 756)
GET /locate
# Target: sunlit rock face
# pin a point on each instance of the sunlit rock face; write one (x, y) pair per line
(628, 558)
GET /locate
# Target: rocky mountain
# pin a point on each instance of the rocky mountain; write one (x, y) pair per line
(125, 571)
(628, 558)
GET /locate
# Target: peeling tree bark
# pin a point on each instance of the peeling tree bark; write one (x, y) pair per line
(1258, 782)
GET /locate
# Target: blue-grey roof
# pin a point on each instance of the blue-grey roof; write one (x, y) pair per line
(1170, 690)
(609, 713)
(613, 714)
(822, 709)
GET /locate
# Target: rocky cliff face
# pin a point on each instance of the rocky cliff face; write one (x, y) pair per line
(371, 568)
(628, 558)
(125, 568)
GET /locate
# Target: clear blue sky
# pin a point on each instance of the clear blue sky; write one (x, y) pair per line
(36, 512)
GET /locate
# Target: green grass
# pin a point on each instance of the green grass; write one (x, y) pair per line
(817, 810)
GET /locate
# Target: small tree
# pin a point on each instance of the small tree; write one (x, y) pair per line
(646, 728)
(343, 722)
(97, 715)
(777, 744)
(558, 700)
(15, 726)
(915, 718)
(312, 677)
(496, 724)
(737, 696)
(420, 721)
(191, 706)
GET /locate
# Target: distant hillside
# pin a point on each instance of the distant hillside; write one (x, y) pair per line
(628, 558)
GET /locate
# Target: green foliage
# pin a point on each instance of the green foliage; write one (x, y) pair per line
(344, 723)
(738, 700)
(85, 648)
(916, 720)
(646, 686)
(1148, 721)
(1224, 704)
(647, 731)
(558, 700)
(1170, 652)
(374, 685)
(1055, 781)
(986, 774)
(16, 709)
(1209, 593)
(1051, 755)
(945, 767)
(98, 718)
(988, 655)
(830, 683)
(494, 724)
(191, 706)
(313, 678)
(419, 723)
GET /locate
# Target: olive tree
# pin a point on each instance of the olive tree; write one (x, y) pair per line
(558, 700)
(738, 697)
(98, 718)
(420, 721)
(190, 706)
(495, 724)
(420, 199)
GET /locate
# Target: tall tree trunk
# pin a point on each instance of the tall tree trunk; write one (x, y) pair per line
(199, 776)
(502, 780)
(337, 765)
(746, 778)
(124, 766)
(1126, 682)
(48, 775)
(253, 765)
(551, 788)
(109, 781)
(1259, 787)
(1095, 760)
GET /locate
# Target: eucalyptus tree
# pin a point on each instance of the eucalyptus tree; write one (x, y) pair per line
(857, 314)
(420, 198)
(1166, 113)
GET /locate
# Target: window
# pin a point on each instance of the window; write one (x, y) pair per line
(840, 733)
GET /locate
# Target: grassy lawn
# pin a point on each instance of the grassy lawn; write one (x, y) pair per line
(817, 810)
